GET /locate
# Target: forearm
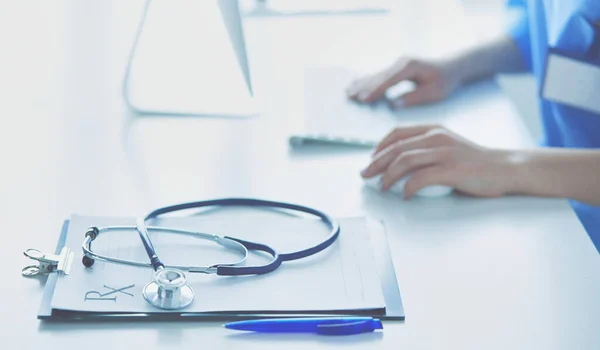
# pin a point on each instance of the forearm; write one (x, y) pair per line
(564, 173)
(497, 56)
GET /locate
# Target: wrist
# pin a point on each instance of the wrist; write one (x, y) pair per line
(509, 170)
(515, 170)
(466, 66)
(500, 55)
(454, 73)
(455, 70)
(532, 174)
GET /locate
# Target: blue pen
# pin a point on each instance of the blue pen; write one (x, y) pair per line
(319, 325)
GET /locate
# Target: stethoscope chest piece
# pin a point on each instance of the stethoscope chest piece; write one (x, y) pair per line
(169, 290)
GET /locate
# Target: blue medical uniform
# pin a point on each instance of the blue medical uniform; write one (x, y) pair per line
(567, 25)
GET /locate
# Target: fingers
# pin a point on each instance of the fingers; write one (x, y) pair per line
(373, 88)
(433, 175)
(384, 159)
(380, 162)
(370, 89)
(399, 134)
(424, 94)
(377, 86)
(355, 88)
(410, 161)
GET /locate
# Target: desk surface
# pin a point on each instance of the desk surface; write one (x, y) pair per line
(516, 273)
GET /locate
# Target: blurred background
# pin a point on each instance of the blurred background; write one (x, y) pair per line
(61, 69)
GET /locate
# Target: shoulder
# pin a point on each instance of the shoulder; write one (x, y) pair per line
(572, 24)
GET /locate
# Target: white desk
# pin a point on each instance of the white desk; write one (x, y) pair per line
(511, 273)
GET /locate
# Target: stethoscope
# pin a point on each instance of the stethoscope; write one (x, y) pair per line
(169, 288)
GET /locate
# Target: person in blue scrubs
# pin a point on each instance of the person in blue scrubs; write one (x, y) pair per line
(568, 163)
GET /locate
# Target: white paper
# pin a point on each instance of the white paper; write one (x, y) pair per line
(343, 277)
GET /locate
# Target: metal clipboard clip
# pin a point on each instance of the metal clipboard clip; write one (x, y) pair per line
(48, 262)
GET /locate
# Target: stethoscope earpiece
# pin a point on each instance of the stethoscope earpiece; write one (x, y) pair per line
(87, 261)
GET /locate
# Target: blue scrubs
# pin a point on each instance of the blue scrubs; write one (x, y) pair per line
(568, 25)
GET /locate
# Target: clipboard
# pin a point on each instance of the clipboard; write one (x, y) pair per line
(394, 309)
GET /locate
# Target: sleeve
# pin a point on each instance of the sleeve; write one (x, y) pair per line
(519, 31)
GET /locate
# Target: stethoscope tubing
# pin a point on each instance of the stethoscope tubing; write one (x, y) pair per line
(242, 246)
(226, 242)
(278, 258)
(231, 202)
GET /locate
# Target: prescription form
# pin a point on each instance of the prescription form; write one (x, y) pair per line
(341, 278)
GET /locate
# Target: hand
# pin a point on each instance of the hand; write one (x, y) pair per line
(433, 155)
(434, 82)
